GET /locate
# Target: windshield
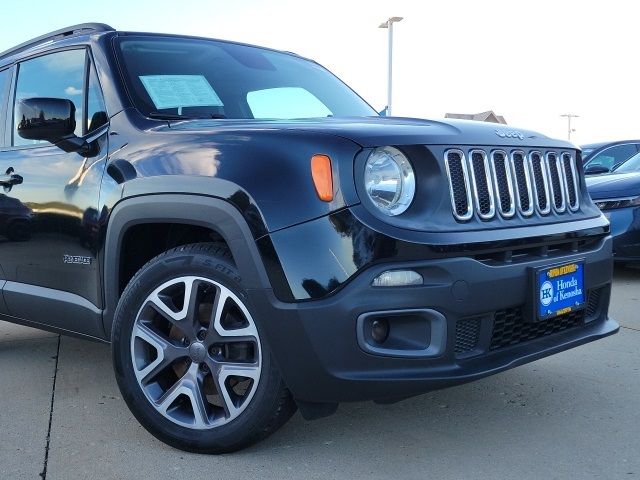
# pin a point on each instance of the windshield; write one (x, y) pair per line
(631, 165)
(195, 78)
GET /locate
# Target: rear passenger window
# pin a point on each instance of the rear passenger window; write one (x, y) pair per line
(58, 75)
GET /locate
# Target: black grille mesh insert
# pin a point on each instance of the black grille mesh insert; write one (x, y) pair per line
(571, 186)
(481, 183)
(593, 304)
(502, 181)
(538, 178)
(458, 185)
(555, 180)
(510, 327)
(467, 332)
(521, 180)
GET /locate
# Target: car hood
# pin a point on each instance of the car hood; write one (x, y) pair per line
(614, 185)
(377, 131)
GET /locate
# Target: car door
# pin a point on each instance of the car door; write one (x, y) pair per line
(49, 210)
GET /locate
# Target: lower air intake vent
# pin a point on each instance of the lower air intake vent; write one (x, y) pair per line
(467, 332)
(510, 327)
(593, 303)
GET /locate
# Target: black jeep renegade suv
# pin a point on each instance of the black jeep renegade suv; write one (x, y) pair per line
(252, 238)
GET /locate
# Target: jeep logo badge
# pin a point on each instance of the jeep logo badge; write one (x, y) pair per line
(509, 134)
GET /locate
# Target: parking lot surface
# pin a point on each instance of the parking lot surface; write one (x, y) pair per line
(573, 415)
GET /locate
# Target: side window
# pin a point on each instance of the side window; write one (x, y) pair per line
(96, 110)
(57, 75)
(613, 156)
(286, 103)
(5, 79)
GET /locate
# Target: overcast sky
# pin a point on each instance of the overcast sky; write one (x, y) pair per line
(530, 61)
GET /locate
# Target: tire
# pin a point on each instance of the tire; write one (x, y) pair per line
(198, 385)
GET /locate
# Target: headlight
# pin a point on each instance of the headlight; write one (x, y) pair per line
(389, 180)
(617, 203)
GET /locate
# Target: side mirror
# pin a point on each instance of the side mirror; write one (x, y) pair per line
(596, 170)
(53, 120)
(49, 119)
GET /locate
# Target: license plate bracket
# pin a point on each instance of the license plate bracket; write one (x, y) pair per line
(559, 289)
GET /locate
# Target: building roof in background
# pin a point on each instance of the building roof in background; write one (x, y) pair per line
(488, 116)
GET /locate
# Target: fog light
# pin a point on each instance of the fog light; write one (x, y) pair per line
(379, 330)
(397, 278)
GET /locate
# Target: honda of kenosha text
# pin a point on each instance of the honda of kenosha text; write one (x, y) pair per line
(252, 238)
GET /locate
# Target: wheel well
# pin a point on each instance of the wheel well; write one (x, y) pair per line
(143, 242)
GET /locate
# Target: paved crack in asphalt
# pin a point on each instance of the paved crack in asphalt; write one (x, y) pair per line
(43, 474)
(630, 328)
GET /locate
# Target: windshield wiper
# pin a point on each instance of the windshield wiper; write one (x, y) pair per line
(168, 116)
(175, 116)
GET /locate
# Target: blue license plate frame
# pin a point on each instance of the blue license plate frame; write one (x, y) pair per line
(560, 289)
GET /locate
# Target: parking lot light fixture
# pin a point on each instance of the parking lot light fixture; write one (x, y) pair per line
(388, 24)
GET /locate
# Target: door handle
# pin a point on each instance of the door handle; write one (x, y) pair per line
(10, 180)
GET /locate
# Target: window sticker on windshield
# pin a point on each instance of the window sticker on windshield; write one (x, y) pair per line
(173, 91)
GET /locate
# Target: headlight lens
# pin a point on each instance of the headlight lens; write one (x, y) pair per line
(389, 180)
(617, 203)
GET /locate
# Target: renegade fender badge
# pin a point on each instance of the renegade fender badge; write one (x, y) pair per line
(76, 259)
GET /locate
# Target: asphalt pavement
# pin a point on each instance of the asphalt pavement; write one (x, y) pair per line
(575, 415)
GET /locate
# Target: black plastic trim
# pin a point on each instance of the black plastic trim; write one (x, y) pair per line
(65, 311)
(208, 212)
(435, 334)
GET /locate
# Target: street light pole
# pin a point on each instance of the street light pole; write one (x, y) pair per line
(569, 116)
(388, 24)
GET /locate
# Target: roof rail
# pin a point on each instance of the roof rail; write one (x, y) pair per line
(81, 29)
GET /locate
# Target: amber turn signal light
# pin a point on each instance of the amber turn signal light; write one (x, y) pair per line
(322, 177)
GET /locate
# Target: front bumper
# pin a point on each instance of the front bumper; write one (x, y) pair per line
(315, 343)
(625, 230)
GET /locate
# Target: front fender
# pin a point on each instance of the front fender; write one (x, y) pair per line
(205, 211)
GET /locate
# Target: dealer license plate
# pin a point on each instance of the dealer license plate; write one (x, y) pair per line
(560, 289)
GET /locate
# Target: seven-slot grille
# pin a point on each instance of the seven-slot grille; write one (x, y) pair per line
(497, 182)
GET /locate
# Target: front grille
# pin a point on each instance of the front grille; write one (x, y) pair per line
(482, 188)
(486, 181)
(510, 327)
(540, 182)
(459, 184)
(557, 191)
(570, 173)
(523, 183)
(467, 332)
(502, 178)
